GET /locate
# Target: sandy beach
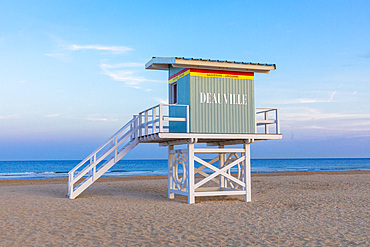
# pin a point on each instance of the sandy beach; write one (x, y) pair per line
(312, 209)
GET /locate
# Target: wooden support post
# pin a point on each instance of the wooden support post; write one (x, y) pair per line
(170, 164)
(190, 175)
(247, 173)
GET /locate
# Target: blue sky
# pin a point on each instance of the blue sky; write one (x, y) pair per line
(72, 72)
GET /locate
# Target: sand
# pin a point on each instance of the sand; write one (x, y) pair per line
(312, 209)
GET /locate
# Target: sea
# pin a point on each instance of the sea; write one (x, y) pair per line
(43, 169)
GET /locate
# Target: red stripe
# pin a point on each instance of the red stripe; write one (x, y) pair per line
(222, 72)
(178, 73)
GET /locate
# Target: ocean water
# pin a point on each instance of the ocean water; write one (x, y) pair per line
(59, 168)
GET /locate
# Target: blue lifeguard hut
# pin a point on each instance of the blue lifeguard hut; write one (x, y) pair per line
(210, 102)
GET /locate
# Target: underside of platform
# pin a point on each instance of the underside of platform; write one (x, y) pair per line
(165, 139)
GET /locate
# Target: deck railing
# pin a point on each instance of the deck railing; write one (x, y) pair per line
(157, 119)
(267, 117)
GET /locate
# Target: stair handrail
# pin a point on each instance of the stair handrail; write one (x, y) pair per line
(102, 146)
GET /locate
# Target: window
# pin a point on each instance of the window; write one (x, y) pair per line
(173, 93)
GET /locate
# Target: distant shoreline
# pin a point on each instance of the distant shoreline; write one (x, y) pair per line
(130, 178)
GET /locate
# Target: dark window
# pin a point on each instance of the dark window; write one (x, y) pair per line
(174, 93)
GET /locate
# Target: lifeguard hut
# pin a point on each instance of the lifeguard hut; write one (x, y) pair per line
(211, 105)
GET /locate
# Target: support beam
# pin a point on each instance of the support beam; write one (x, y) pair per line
(190, 177)
(170, 182)
(247, 173)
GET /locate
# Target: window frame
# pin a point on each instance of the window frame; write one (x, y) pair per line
(174, 91)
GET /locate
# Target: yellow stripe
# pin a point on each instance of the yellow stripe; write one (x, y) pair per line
(179, 76)
(215, 75)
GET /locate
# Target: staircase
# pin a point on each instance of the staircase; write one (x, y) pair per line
(100, 161)
(151, 121)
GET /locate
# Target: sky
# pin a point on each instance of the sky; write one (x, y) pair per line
(72, 72)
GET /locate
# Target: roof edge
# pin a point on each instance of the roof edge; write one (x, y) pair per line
(163, 63)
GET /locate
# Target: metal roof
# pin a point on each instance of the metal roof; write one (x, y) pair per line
(163, 63)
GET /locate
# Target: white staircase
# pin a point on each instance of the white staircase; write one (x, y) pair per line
(100, 161)
(140, 127)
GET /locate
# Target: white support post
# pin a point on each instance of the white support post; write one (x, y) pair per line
(170, 164)
(70, 185)
(190, 175)
(221, 164)
(247, 173)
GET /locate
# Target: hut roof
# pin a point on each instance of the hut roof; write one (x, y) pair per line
(163, 63)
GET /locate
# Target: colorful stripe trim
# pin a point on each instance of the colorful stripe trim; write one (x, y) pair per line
(211, 73)
(178, 75)
(222, 74)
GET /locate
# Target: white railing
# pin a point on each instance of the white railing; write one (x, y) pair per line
(150, 121)
(157, 119)
(267, 117)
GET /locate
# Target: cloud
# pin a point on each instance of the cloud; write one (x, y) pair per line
(122, 72)
(307, 100)
(12, 116)
(161, 100)
(112, 49)
(53, 115)
(101, 119)
(307, 114)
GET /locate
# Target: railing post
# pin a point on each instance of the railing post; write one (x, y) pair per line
(70, 184)
(140, 123)
(160, 118)
(115, 150)
(146, 122)
(154, 116)
(187, 119)
(277, 122)
(266, 125)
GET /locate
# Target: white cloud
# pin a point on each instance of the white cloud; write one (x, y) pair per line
(307, 100)
(12, 116)
(53, 115)
(112, 49)
(306, 114)
(97, 119)
(161, 100)
(121, 72)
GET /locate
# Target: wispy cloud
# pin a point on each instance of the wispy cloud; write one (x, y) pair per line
(123, 72)
(100, 119)
(307, 100)
(53, 115)
(12, 116)
(307, 114)
(112, 49)
(161, 100)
